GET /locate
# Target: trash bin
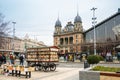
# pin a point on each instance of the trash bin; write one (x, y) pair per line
(86, 64)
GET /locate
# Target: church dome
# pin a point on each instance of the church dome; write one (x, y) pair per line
(77, 18)
(69, 27)
(58, 23)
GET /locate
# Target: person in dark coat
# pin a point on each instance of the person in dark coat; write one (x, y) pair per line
(4, 59)
(118, 56)
(1, 59)
(21, 59)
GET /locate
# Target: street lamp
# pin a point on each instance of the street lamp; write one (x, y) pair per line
(13, 37)
(93, 24)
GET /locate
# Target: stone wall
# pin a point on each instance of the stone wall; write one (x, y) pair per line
(97, 75)
(89, 75)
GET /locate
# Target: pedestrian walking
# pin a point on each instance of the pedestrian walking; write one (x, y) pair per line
(11, 59)
(21, 58)
(1, 59)
(4, 58)
(118, 56)
(109, 56)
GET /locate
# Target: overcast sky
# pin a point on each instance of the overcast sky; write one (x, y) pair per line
(37, 17)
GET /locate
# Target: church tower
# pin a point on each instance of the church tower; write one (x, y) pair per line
(78, 24)
(58, 27)
(57, 32)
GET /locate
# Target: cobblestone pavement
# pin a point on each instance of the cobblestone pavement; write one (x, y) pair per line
(3, 77)
(59, 74)
(64, 71)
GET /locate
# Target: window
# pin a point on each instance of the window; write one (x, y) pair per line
(76, 36)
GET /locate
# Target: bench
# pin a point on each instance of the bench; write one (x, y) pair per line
(19, 73)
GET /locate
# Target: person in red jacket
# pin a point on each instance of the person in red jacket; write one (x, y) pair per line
(11, 59)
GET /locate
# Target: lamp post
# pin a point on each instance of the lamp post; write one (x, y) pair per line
(13, 37)
(93, 24)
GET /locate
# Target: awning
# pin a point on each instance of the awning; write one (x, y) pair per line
(118, 46)
(2, 50)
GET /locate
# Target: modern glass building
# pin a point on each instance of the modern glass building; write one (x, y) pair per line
(106, 36)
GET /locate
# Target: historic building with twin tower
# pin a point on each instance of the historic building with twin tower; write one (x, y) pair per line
(73, 41)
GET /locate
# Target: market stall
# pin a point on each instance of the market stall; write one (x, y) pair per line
(43, 58)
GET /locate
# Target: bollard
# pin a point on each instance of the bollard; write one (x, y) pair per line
(86, 64)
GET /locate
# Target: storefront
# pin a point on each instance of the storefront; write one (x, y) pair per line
(83, 56)
(70, 56)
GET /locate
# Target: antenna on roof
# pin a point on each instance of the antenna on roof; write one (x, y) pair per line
(58, 15)
(77, 8)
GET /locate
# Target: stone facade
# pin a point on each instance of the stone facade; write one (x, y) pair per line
(69, 39)
(18, 44)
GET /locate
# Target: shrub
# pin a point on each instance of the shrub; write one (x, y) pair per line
(100, 58)
(109, 69)
(93, 59)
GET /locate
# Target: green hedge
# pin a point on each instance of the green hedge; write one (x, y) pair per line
(109, 69)
(93, 59)
(100, 58)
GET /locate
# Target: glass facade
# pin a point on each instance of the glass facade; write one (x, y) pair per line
(104, 30)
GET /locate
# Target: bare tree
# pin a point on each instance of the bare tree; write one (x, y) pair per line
(4, 30)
